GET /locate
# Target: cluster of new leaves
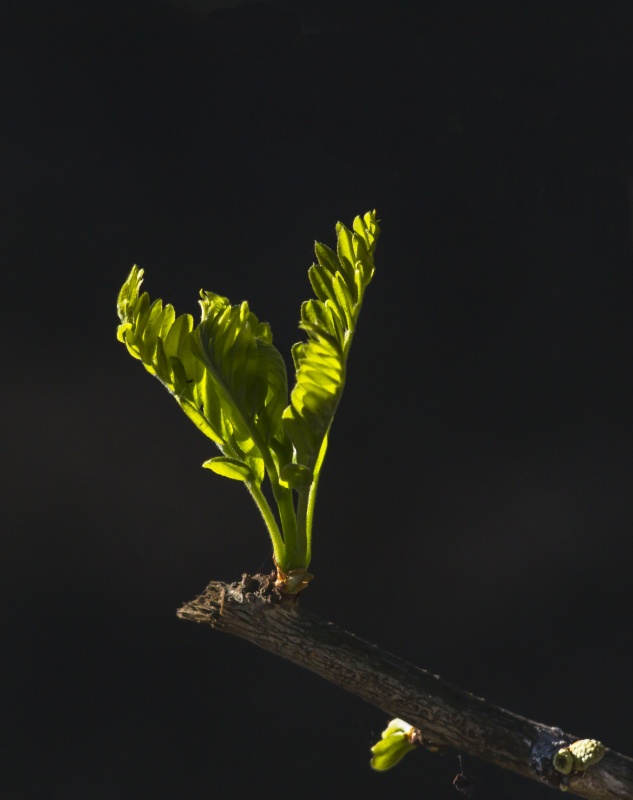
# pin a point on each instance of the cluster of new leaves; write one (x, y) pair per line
(216, 372)
(231, 381)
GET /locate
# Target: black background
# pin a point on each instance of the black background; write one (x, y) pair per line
(475, 513)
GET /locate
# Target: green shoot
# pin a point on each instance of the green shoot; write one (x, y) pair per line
(398, 739)
(230, 380)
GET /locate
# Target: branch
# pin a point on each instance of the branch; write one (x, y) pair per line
(446, 715)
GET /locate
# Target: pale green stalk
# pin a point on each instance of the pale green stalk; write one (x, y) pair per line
(303, 525)
(269, 519)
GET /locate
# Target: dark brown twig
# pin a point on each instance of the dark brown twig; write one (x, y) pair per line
(446, 715)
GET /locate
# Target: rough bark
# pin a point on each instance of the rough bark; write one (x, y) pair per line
(446, 715)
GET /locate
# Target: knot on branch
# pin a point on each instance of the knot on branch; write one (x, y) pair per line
(258, 589)
(542, 756)
(559, 761)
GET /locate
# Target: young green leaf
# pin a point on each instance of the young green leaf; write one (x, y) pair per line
(339, 281)
(247, 370)
(162, 342)
(295, 476)
(397, 740)
(230, 468)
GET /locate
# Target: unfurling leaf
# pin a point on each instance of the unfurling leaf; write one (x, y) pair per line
(339, 280)
(230, 468)
(162, 342)
(295, 476)
(395, 743)
(247, 370)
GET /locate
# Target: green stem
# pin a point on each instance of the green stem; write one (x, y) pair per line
(310, 516)
(305, 512)
(283, 498)
(286, 554)
(303, 525)
(269, 518)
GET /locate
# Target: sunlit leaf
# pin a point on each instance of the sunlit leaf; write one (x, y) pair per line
(295, 476)
(247, 370)
(396, 741)
(339, 280)
(390, 751)
(162, 341)
(230, 468)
